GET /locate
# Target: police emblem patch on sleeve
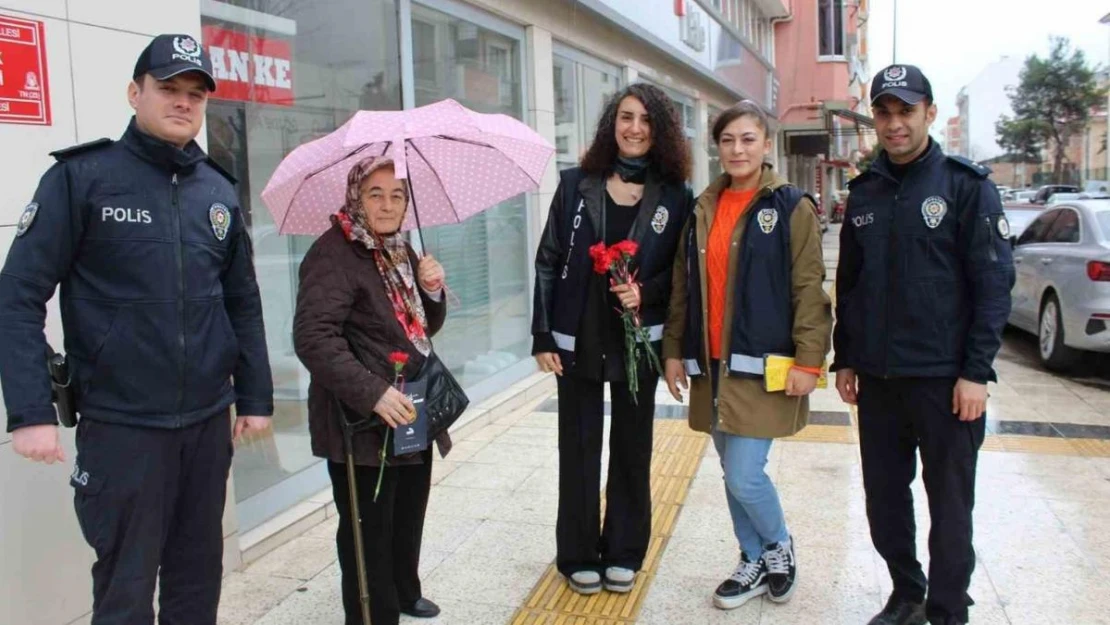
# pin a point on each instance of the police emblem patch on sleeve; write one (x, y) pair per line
(933, 210)
(768, 218)
(1003, 226)
(659, 219)
(220, 218)
(27, 219)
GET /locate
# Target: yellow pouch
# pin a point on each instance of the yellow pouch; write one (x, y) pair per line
(775, 369)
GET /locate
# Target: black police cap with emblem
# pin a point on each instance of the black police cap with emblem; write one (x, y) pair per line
(905, 82)
(169, 55)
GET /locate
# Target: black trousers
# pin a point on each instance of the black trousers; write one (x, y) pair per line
(581, 544)
(150, 502)
(392, 530)
(898, 417)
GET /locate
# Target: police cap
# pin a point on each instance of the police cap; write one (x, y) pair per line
(169, 55)
(905, 82)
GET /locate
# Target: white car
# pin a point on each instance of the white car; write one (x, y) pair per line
(1062, 292)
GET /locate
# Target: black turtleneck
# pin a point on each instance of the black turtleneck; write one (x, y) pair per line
(899, 171)
(161, 153)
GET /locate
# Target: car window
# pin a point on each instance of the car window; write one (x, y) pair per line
(1065, 229)
(1036, 230)
(1103, 218)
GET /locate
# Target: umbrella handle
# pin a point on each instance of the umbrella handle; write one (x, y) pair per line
(416, 213)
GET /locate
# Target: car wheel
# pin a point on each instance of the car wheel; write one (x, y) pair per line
(1050, 338)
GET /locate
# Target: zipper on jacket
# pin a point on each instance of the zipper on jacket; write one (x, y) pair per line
(179, 245)
(892, 263)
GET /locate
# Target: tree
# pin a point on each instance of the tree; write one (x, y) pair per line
(1052, 103)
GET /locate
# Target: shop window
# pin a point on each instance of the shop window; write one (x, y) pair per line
(325, 60)
(486, 257)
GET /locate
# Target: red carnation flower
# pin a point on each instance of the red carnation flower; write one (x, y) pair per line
(627, 247)
(600, 254)
(399, 360)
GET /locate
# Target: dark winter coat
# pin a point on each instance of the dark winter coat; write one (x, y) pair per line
(344, 331)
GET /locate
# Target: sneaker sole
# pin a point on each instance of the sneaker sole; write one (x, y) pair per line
(584, 589)
(621, 587)
(731, 603)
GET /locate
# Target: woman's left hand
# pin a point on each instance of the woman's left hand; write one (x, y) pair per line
(800, 383)
(628, 294)
(430, 274)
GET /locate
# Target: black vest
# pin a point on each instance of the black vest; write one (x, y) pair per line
(762, 303)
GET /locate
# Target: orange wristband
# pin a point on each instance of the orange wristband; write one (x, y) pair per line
(813, 370)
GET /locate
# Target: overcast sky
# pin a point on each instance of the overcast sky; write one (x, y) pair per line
(953, 40)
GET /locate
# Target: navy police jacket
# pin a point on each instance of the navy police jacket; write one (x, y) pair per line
(576, 221)
(925, 272)
(159, 302)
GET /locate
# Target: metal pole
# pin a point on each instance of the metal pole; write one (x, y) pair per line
(895, 60)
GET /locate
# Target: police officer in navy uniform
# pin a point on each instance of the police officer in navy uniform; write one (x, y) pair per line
(922, 295)
(163, 330)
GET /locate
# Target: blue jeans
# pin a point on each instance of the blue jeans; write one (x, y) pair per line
(753, 501)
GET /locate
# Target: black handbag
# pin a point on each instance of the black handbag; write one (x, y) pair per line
(444, 398)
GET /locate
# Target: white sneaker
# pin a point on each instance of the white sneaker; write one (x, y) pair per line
(585, 582)
(618, 579)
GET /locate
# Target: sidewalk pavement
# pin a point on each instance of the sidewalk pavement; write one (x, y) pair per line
(1043, 536)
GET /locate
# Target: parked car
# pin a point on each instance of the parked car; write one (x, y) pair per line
(1025, 195)
(1049, 190)
(1057, 198)
(1062, 293)
(1020, 217)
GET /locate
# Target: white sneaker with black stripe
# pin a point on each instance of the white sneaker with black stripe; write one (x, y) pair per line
(782, 570)
(748, 581)
(619, 579)
(585, 582)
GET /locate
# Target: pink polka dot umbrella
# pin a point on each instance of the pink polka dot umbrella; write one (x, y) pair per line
(458, 164)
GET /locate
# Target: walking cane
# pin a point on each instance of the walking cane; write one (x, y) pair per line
(356, 520)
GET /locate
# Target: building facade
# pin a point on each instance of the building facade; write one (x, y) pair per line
(953, 133)
(825, 124)
(291, 72)
(982, 102)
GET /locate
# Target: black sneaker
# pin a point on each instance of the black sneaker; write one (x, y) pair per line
(749, 580)
(782, 570)
(900, 612)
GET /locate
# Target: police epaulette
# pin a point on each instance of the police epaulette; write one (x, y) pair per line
(65, 153)
(980, 170)
(220, 168)
(859, 178)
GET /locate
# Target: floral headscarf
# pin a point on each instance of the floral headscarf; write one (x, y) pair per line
(391, 255)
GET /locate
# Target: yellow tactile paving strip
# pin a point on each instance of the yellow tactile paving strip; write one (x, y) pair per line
(677, 451)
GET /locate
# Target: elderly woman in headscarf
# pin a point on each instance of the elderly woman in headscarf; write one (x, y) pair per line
(364, 295)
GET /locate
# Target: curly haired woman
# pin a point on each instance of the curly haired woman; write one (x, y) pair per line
(630, 185)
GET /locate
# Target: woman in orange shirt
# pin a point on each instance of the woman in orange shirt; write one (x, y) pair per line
(753, 286)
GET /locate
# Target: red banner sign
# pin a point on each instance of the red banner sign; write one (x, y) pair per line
(250, 69)
(24, 87)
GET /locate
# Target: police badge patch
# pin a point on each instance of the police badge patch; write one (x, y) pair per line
(26, 219)
(768, 218)
(933, 210)
(659, 220)
(895, 73)
(220, 219)
(1003, 226)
